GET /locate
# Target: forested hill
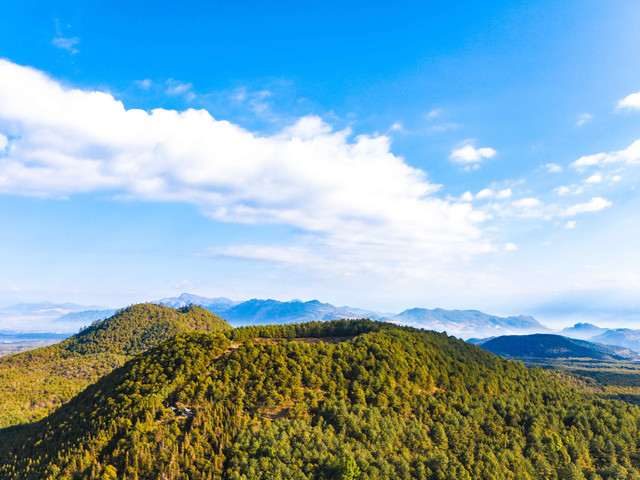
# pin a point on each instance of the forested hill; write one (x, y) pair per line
(555, 346)
(33, 383)
(139, 327)
(335, 400)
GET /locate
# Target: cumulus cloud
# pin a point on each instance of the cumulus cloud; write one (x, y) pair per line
(4, 141)
(484, 193)
(346, 194)
(468, 154)
(630, 102)
(595, 178)
(571, 224)
(594, 205)
(628, 156)
(467, 196)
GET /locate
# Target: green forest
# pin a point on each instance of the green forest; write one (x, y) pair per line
(325, 400)
(34, 383)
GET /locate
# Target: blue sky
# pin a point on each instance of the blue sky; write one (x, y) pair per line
(469, 155)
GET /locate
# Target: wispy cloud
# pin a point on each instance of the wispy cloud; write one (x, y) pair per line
(175, 87)
(436, 112)
(594, 205)
(491, 193)
(629, 156)
(569, 190)
(145, 84)
(443, 127)
(65, 42)
(584, 118)
(553, 168)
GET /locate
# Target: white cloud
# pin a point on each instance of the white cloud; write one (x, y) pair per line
(595, 178)
(396, 127)
(68, 44)
(630, 102)
(594, 205)
(4, 141)
(471, 155)
(352, 196)
(569, 190)
(436, 112)
(553, 168)
(529, 202)
(628, 156)
(585, 117)
(510, 247)
(491, 193)
(485, 193)
(467, 196)
(570, 224)
(504, 193)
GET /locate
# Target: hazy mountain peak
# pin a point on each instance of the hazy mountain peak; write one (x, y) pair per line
(583, 330)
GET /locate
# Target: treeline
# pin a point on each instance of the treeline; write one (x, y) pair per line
(375, 401)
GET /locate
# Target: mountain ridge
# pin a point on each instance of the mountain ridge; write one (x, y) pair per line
(555, 346)
(466, 323)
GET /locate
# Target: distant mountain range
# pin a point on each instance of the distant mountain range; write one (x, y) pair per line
(70, 317)
(555, 346)
(624, 337)
(467, 323)
(50, 317)
(462, 323)
(263, 312)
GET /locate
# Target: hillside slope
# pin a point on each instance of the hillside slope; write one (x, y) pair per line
(555, 346)
(336, 400)
(33, 383)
